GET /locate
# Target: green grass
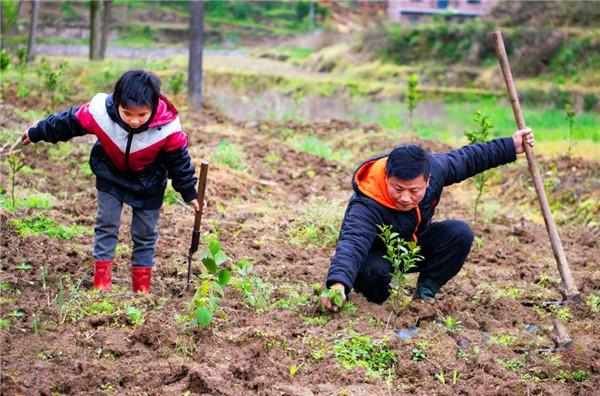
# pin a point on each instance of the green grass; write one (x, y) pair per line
(376, 357)
(317, 224)
(41, 225)
(313, 145)
(230, 155)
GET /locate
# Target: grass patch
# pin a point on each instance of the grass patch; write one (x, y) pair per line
(41, 225)
(313, 145)
(229, 155)
(32, 201)
(318, 224)
(376, 357)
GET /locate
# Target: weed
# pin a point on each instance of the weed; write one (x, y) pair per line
(86, 169)
(514, 293)
(514, 364)
(403, 256)
(570, 115)
(545, 280)
(230, 155)
(572, 376)
(593, 301)
(313, 145)
(562, 313)
(503, 339)
(336, 296)
(320, 320)
(42, 225)
(293, 300)
(176, 83)
(256, 292)
(452, 324)
(101, 308)
(135, 316)
(480, 135)
(441, 376)
(419, 352)
(23, 266)
(4, 324)
(317, 224)
(376, 357)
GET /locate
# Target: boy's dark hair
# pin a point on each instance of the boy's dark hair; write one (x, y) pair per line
(137, 88)
(407, 162)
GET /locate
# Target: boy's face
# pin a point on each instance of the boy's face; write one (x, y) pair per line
(135, 116)
(407, 193)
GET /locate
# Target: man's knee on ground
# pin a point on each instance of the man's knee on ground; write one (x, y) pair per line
(462, 235)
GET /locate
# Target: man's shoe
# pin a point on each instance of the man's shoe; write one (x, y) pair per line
(141, 278)
(424, 294)
(103, 274)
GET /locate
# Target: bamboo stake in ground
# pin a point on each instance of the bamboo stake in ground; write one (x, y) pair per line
(570, 290)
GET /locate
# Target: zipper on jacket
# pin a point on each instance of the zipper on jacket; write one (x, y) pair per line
(128, 149)
(414, 235)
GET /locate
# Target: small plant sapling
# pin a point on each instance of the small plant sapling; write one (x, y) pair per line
(15, 164)
(336, 296)
(570, 115)
(451, 324)
(412, 96)
(176, 83)
(403, 256)
(480, 135)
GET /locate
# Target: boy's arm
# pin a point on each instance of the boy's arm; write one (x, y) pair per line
(359, 230)
(458, 165)
(179, 166)
(57, 127)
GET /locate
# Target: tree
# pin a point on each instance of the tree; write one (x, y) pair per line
(106, 16)
(195, 57)
(35, 6)
(95, 28)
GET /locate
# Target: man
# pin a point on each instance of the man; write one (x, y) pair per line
(402, 189)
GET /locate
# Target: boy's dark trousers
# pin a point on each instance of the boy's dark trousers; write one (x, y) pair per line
(444, 246)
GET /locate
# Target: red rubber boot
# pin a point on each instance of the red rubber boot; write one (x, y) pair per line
(140, 278)
(103, 274)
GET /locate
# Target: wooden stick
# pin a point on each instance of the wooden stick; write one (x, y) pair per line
(571, 293)
(197, 218)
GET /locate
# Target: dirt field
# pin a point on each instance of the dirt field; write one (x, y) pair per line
(58, 343)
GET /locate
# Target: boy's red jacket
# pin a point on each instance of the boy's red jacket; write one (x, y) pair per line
(132, 165)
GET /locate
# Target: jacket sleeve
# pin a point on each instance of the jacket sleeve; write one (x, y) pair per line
(359, 230)
(458, 165)
(58, 127)
(179, 166)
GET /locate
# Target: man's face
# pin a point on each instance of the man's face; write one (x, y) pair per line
(135, 116)
(407, 193)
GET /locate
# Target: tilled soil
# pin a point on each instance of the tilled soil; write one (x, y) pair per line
(508, 287)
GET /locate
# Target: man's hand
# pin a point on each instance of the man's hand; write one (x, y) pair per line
(523, 136)
(333, 298)
(25, 138)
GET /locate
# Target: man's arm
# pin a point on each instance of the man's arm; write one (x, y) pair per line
(458, 165)
(359, 230)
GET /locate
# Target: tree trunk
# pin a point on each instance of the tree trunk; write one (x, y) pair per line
(95, 28)
(195, 58)
(35, 6)
(106, 16)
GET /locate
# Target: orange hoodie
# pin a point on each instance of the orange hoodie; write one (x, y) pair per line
(371, 180)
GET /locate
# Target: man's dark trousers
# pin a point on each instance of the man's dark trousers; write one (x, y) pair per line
(444, 246)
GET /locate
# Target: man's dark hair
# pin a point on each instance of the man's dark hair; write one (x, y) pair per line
(137, 88)
(407, 162)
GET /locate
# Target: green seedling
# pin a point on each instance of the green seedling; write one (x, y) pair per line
(503, 339)
(24, 267)
(336, 296)
(562, 313)
(404, 257)
(4, 324)
(256, 292)
(572, 376)
(452, 324)
(570, 115)
(15, 164)
(101, 308)
(4, 60)
(42, 225)
(512, 364)
(412, 96)
(441, 377)
(479, 135)
(211, 284)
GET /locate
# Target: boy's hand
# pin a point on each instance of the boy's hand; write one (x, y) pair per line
(328, 302)
(195, 204)
(523, 136)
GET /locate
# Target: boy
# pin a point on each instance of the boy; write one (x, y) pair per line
(140, 144)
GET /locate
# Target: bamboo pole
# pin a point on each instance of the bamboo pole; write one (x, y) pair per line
(570, 290)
